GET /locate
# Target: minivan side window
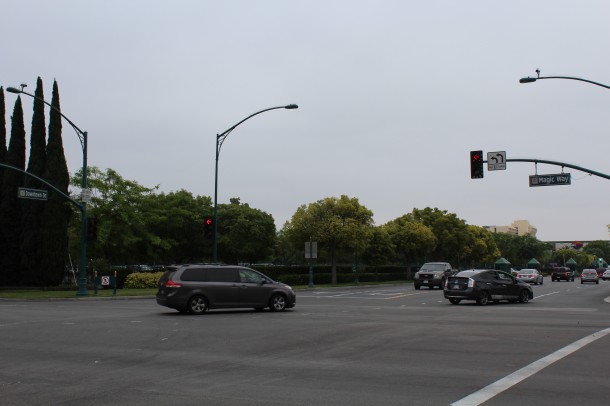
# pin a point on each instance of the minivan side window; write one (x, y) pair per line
(248, 276)
(221, 275)
(192, 275)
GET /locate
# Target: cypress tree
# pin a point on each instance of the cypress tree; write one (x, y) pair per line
(56, 214)
(32, 210)
(10, 208)
(2, 160)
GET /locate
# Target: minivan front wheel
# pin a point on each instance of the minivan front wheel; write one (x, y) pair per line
(277, 303)
(198, 305)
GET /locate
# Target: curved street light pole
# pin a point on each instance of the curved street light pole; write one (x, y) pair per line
(220, 138)
(531, 80)
(82, 136)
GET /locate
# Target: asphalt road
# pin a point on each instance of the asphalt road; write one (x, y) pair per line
(388, 345)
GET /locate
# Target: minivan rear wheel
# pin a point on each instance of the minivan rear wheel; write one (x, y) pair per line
(198, 305)
(277, 303)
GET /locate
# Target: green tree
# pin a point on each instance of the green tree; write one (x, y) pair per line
(341, 224)
(176, 221)
(414, 242)
(599, 249)
(10, 207)
(518, 250)
(57, 210)
(450, 231)
(287, 253)
(32, 210)
(480, 248)
(122, 210)
(245, 234)
(380, 250)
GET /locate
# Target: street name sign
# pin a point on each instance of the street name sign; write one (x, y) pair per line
(550, 180)
(311, 250)
(36, 194)
(496, 161)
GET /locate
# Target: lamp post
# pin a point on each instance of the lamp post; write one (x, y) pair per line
(531, 80)
(82, 136)
(220, 138)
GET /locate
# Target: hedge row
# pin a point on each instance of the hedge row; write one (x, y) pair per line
(326, 278)
(292, 275)
(142, 280)
(282, 272)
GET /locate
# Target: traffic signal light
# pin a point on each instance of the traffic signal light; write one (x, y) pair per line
(476, 164)
(208, 226)
(92, 229)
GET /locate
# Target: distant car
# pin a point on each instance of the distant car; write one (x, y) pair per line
(531, 276)
(485, 285)
(432, 274)
(589, 275)
(606, 275)
(562, 273)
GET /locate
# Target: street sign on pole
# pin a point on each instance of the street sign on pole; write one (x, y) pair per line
(36, 194)
(311, 250)
(85, 195)
(496, 161)
(551, 180)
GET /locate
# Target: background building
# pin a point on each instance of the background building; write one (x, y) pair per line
(519, 227)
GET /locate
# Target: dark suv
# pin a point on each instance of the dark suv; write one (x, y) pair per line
(195, 288)
(562, 273)
(432, 274)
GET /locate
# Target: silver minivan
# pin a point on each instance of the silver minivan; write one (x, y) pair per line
(196, 288)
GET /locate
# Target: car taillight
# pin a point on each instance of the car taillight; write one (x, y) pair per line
(172, 284)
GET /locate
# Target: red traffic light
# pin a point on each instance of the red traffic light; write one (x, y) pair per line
(476, 164)
(208, 221)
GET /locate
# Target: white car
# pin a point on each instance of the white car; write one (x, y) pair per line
(606, 275)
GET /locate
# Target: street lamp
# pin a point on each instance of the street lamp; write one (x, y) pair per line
(82, 136)
(220, 138)
(531, 80)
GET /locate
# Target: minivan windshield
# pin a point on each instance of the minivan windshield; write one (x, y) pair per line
(432, 268)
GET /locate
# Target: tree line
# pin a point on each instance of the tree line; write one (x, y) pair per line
(136, 224)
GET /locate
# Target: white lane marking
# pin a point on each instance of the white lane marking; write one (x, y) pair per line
(546, 294)
(508, 381)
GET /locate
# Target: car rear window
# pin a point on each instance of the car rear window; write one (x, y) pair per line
(469, 273)
(167, 275)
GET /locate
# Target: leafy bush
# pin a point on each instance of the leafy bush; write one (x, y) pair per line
(142, 280)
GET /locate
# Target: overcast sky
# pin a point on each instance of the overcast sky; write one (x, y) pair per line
(392, 97)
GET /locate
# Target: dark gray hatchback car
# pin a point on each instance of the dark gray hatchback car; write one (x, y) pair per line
(196, 288)
(485, 286)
